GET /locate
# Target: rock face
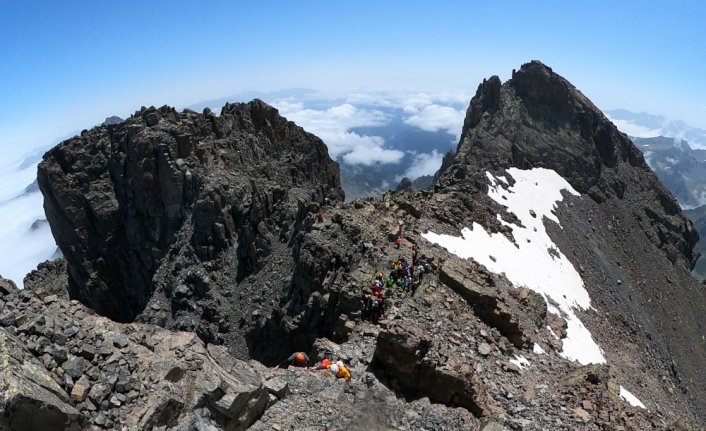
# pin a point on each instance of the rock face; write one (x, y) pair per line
(67, 368)
(30, 398)
(120, 197)
(538, 119)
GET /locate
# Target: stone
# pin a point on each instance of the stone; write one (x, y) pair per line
(7, 287)
(99, 392)
(87, 351)
(583, 414)
(484, 349)
(120, 341)
(80, 390)
(74, 367)
(493, 426)
(277, 387)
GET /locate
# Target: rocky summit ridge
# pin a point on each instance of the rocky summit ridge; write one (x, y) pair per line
(223, 244)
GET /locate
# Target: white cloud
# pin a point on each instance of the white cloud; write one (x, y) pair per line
(369, 155)
(435, 117)
(423, 164)
(632, 129)
(22, 246)
(413, 100)
(333, 126)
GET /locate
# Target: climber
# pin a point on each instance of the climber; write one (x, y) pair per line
(421, 269)
(320, 217)
(296, 359)
(398, 242)
(376, 287)
(324, 362)
(413, 286)
(405, 283)
(340, 371)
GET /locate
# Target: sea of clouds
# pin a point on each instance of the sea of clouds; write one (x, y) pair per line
(25, 237)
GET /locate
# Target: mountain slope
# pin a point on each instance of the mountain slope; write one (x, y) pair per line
(539, 120)
(678, 166)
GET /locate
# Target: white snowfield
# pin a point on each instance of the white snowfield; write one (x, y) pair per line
(532, 260)
(520, 361)
(630, 398)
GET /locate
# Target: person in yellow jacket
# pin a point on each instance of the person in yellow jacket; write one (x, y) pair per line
(340, 371)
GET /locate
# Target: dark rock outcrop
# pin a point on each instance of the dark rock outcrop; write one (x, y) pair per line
(7, 286)
(402, 352)
(120, 197)
(50, 278)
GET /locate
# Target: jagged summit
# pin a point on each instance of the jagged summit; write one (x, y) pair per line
(119, 196)
(539, 119)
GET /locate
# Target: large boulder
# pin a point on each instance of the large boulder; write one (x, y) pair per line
(402, 352)
(517, 314)
(30, 399)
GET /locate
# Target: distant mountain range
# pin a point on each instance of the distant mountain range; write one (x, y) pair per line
(643, 125)
(681, 168)
(676, 152)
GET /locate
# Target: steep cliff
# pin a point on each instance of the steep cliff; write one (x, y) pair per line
(120, 197)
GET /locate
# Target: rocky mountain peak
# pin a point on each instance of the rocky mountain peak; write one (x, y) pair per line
(539, 119)
(119, 197)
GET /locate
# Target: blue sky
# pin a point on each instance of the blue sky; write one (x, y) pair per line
(68, 65)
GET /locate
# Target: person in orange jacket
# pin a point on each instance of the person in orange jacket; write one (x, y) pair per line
(296, 359)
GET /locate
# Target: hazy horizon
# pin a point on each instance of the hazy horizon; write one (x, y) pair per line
(68, 67)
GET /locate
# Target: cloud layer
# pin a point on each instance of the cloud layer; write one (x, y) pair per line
(333, 126)
(334, 121)
(423, 164)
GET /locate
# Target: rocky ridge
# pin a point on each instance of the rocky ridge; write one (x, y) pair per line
(119, 197)
(471, 329)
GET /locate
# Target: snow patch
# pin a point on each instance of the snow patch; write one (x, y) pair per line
(520, 361)
(532, 260)
(630, 398)
(537, 349)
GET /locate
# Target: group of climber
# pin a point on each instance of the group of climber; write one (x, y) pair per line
(301, 360)
(403, 274)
